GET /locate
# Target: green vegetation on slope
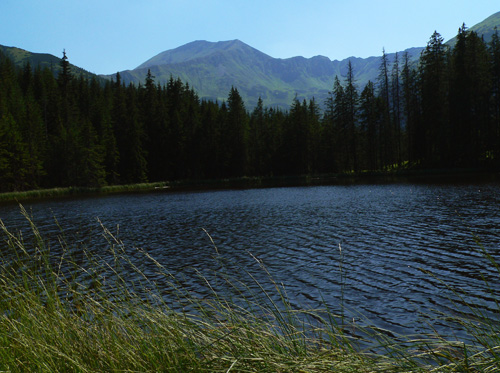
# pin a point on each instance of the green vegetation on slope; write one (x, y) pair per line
(486, 28)
(21, 57)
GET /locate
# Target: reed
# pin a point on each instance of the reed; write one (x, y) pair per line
(69, 308)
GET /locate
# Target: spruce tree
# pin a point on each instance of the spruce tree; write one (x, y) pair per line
(435, 134)
(369, 140)
(236, 128)
(494, 49)
(351, 102)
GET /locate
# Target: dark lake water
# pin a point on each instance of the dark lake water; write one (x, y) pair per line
(387, 233)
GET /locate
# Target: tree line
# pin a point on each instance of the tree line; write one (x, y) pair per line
(67, 130)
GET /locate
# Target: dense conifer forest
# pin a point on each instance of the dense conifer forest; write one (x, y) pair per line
(66, 130)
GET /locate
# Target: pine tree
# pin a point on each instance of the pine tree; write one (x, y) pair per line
(469, 99)
(314, 148)
(340, 126)
(387, 137)
(210, 147)
(369, 141)
(396, 108)
(236, 135)
(351, 102)
(411, 108)
(435, 134)
(258, 150)
(154, 127)
(494, 49)
(64, 78)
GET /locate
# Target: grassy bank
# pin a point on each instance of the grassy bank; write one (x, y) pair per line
(78, 191)
(348, 178)
(67, 308)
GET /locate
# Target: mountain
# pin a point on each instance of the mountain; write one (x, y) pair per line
(213, 68)
(20, 57)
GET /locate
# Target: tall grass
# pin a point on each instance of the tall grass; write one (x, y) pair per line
(71, 309)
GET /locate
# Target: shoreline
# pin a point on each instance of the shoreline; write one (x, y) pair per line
(372, 177)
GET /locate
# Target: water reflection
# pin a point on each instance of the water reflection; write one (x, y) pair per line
(388, 234)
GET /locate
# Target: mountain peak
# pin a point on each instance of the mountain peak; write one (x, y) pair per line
(195, 50)
(212, 68)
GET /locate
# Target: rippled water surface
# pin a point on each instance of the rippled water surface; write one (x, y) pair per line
(387, 234)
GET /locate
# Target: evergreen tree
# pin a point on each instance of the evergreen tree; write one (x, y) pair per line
(434, 131)
(396, 108)
(236, 135)
(192, 133)
(132, 166)
(296, 139)
(209, 151)
(469, 99)
(494, 49)
(411, 105)
(351, 102)
(101, 118)
(369, 139)
(340, 126)
(154, 127)
(258, 148)
(387, 137)
(65, 77)
(14, 157)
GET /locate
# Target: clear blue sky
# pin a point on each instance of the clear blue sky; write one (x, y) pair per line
(106, 36)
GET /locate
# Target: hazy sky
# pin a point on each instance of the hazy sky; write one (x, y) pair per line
(106, 36)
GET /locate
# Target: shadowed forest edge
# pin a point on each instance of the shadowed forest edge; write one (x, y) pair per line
(68, 130)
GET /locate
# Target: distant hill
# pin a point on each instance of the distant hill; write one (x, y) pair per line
(212, 68)
(20, 57)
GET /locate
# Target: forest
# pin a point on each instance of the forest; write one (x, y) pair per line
(442, 112)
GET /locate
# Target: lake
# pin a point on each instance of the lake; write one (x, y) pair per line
(361, 245)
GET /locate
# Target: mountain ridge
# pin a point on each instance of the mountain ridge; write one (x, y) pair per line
(212, 68)
(21, 56)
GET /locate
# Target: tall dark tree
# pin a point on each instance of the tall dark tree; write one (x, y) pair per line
(235, 135)
(329, 130)
(351, 105)
(386, 128)
(101, 118)
(411, 109)
(469, 99)
(369, 136)
(14, 157)
(209, 151)
(130, 135)
(434, 130)
(154, 127)
(396, 108)
(494, 49)
(296, 138)
(259, 149)
(314, 137)
(340, 125)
